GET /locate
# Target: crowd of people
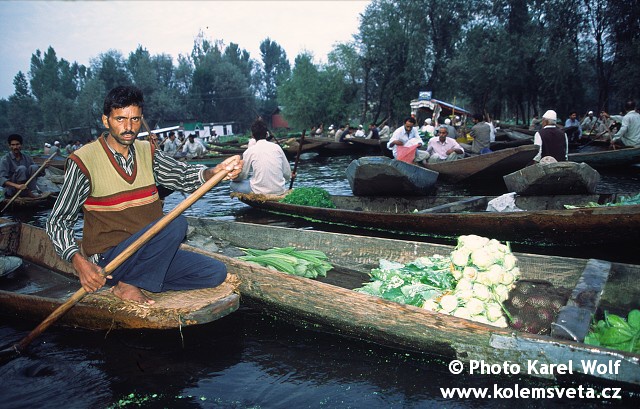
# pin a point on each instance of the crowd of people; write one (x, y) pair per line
(621, 130)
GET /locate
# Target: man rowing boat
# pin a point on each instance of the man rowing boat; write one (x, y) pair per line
(113, 181)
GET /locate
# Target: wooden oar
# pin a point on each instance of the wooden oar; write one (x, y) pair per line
(29, 181)
(122, 257)
(146, 128)
(295, 164)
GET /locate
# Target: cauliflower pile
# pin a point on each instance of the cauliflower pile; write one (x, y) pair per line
(485, 271)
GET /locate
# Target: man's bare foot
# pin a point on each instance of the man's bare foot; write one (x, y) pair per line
(130, 292)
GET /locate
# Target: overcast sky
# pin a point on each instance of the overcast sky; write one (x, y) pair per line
(81, 30)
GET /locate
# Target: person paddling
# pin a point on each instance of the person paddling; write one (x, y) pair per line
(113, 182)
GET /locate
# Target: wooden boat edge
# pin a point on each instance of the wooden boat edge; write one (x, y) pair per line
(370, 318)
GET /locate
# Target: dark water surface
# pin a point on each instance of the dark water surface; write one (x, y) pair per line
(251, 359)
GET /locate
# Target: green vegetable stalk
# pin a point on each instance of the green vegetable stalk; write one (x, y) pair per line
(303, 263)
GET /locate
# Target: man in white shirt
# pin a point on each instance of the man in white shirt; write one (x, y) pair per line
(193, 148)
(267, 161)
(407, 136)
(629, 133)
(443, 148)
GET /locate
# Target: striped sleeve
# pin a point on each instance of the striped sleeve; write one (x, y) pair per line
(177, 175)
(64, 215)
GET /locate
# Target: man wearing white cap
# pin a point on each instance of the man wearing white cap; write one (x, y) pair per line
(452, 131)
(55, 147)
(590, 124)
(551, 140)
(427, 129)
(360, 132)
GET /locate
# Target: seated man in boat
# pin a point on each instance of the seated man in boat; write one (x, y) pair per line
(113, 182)
(193, 147)
(629, 133)
(572, 126)
(16, 168)
(481, 133)
(267, 164)
(407, 136)
(551, 140)
(443, 148)
(590, 124)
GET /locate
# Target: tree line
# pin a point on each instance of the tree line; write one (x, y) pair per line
(505, 58)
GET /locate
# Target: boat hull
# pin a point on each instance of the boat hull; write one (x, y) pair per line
(544, 221)
(330, 304)
(560, 178)
(381, 176)
(45, 282)
(488, 166)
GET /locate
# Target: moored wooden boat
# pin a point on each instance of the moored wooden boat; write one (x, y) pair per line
(291, 149)
(46, 199)
(44, 282)
(57, 161)
(348, 147)
(559, 178)
(331, 304)
(544, 220)
(609, 158)
(381, 176)
(487, 166)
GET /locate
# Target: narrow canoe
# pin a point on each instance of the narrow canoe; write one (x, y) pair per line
(348, 147)
(44, 282)
(559, 178)
(544, 220)
(382, 176)
(45, 200)
(331, 304)
(487, 166)
(609, 158)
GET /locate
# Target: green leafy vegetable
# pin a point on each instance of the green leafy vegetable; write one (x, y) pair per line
(310, 196)
(624, 201)
(616, 332)
(412, 283)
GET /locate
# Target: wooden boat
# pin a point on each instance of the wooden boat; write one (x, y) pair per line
(544, 220)
(291, 149)
(487, 166)
(609, 158)
(559, 178)
(330, 304)
(348, 147)
(45, 200)
(44, 282)
(381, 176)
(57, 161)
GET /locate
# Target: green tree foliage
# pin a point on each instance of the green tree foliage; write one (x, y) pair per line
(507, 58)
(274, 70)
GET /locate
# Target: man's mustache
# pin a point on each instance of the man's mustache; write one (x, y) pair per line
(127, 133)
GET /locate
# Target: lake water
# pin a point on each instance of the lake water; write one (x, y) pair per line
(250, 359)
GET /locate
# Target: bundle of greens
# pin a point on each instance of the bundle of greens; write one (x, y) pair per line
(303, 263)
(310, 196)
(617, 333)
(412, 283)
(485, 271)
(624, 201)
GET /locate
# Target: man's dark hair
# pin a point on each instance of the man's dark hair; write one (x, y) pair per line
(172, 134)
(630, 105)
(477, 117)
(122, 97)
(259, 130)
(14, 137)
(410, 119)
